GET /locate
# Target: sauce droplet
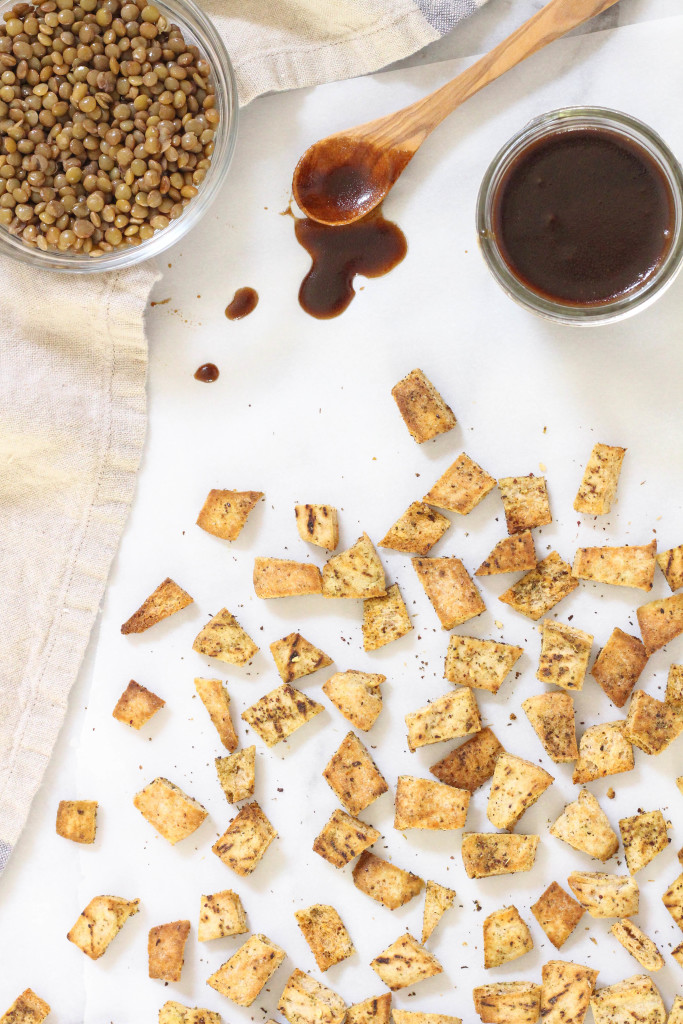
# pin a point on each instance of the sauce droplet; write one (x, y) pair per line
(371, 247)
(207, 373)
(244, 302)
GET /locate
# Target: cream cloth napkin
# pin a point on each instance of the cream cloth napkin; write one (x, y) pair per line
(73, 363)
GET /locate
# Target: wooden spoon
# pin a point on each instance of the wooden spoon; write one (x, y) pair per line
(342, 177)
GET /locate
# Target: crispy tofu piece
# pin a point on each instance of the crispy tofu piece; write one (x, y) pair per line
(389, 885)
(280, 713)
(557, 913)
(376, 1010)
(296, 657)
(677, 954)
(637, 944)
(137, 705)
(552, 718)
(405, 962)
(242, 977)
(306, 1001)
(237, 774)
(353, 775)
(471, 764)
(512, 554)
(483, 664)
(166, 950)
(633, 1001)
(508, 1002)
(492, 853)
(166, 600)
(601, 476)
(584, 826)
(246, 839)
(565, 651)
(516, 785)
(77, 820)
(324, 931)
(28, 1008)
(604, 895)
(674, 685)
(318, 524)
(385, 619)
(438, 899)
(174, 814)
(176, 1013)
(525, 502)
(221, 914)
(676, 1015)
(414, 1017)
(660, 621)
(542, 588)
(628, 566)
(357, 695)
(619, 665)
(449, 717)
(355, 573)
(604, 749)
(343, 838)
(644, 836)
(450, 589)
(100, 922)
(651, 724)
(424, 411)
(223, 638)
(214, 696)
(673, 900)
(566, 992)
(224, 513)
(671, 564)
(417, 530)
(422, 803)
(506, 937)
(282, 577)
(461, 487)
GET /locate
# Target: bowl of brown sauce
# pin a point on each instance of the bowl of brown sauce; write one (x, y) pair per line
(580, 216)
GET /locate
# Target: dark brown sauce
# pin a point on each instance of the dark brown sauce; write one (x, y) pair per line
(244, 302)
(371, 247)
(207, 373)
(583, 216)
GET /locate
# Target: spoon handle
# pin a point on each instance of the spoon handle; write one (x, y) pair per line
(408, 128)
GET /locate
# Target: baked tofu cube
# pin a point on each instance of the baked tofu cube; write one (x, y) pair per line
(599, 485)
(357, 696)
(566, 992)
(223, 638)
(604, 895)
(449, 717)
(637, 943)
(324, 931)
(237, 774)
(584, 826)
(385, 619)
(652, 724)
(224, 513)
(450, 589)
(246, 840)
(461, 487)
(673, 901)
(305, 1001)
(542, 588)
(674, 685)
(296, 657)
(512, 554)
(604, 749)
(281, 577)
(76, 820)
(137, 705)
(482, 664)
(471, 764)
(167, 599)
(565, 651)
(356, 573)
(404, 963)
(629, 566)
(421, 803)
(552, 718)
(215, 698)
(354, 776)
(318, 525)
(438, 899)
(343, 838)
(166, 950)
(175, 1013)
(375, 1010)
(516, 785)
(660, 621)
(417, 530)
(414, 1017)
(618, 666)
(557, 913)
(492, 853)
(633, 1000)
(506, 1002)
(644, 836)
(242, 977)
(174, 814)
(28, 1008)
(506, 937)
(424, 411)
(671, 564)
(279, 714)
(221, 914)
(100, 922)
(388, 884)
(525, 502)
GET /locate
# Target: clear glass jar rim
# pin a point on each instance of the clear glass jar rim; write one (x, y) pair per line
(564, 119)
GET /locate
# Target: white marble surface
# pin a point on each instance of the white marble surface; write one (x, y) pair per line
(302, 411)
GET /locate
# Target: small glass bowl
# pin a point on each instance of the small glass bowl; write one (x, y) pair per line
(551, 123)
(200, 31)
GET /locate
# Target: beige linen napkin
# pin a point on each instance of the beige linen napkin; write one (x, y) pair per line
(73, 362)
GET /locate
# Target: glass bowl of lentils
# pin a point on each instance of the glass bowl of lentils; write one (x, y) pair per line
(118, 121)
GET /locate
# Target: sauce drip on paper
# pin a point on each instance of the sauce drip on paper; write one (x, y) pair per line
(244, 302)
(207, 373)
